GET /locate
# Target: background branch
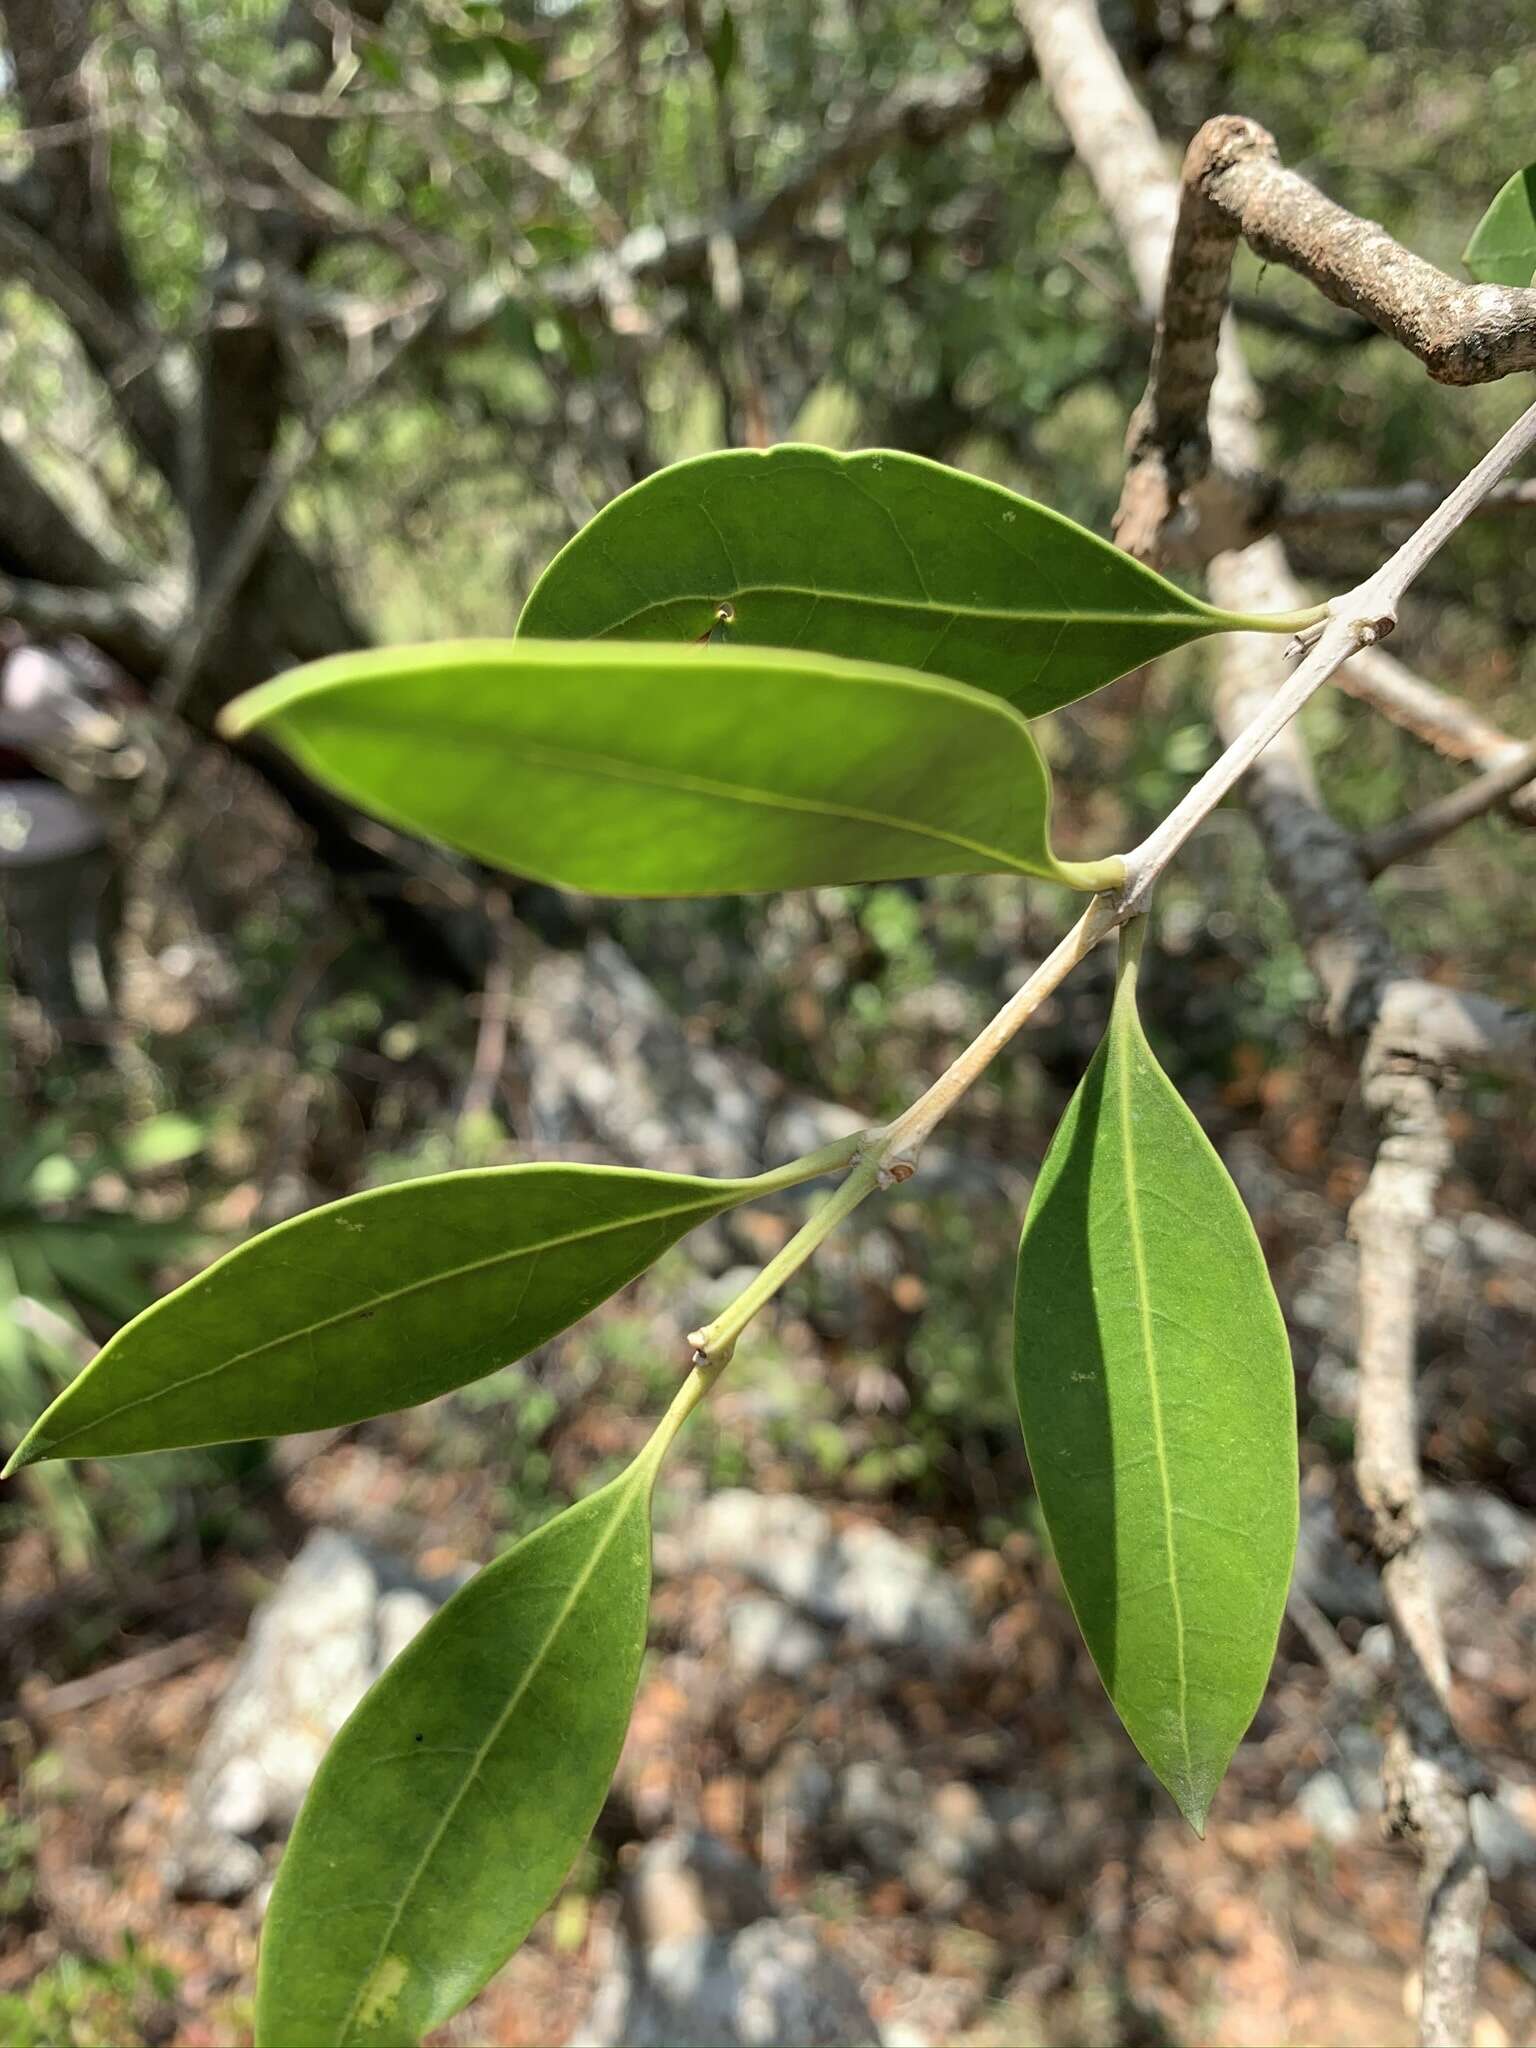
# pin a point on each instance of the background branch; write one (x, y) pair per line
(1462, 333)
(1372, 504)
(1435, 821)
(1438, 718)
(1316, 868)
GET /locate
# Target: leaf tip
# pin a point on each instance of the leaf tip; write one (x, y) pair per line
(235, 719)
(1195, 1807)
(28, 1452)
(1193, 1791)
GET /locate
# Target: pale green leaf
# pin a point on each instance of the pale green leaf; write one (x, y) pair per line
(674, 771)
(374, 1303)
(453, 1802)
(1503, 245)
(1155, 1388)
(882, 556)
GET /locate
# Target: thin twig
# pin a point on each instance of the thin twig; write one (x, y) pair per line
(906, 1135)
(486, 1071)
(1378, 504)
(147, 1668)
(1435, 821)
(1346, 1670)
(261, 509)
(1429, 1772)
(891, 1155)
(1356, 621)
(1442, 721)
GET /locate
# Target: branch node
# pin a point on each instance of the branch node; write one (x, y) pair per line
(1369, 631)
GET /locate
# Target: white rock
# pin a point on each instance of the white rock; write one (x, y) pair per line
(704, 1963)
(766, 1638)
(859, 1578)
(339, 1616)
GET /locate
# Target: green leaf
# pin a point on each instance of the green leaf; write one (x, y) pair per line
(455, 1799)
(674, 771)
(1503, 245)
(374, 1303)
(161, 1141)
(883, 556)
(1155, 1388)
(721, 43)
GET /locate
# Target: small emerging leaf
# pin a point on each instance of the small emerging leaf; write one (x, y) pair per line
(373, 1303)
(1503, 245)
(674, 771)
(1155, 1389)
(456, 1798)
(884, 556)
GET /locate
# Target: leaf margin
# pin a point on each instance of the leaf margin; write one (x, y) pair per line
(636, 1482)
(1183, 610)
(716, 1196)
(262, 710)
(1195, 1794)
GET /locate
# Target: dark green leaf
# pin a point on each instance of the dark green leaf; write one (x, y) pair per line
(374, 1303)
(720, 44)
(674, 771)
(1155, 1389)
(882, 556)
(527, 60)
(1503, 245)
(455, 1799)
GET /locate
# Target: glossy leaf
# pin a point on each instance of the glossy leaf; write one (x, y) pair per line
(374, 1303)
(1155, 1388)
(674, 771)
(1503, 245)
(883, 556)
(456, 1798)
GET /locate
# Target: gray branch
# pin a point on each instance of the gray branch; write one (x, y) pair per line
(918, 114)
(1462, 333)
(1380, 504)
(1234, 188)
(126, 622)
(1429, 1772)
(1435, 821)
(1442, 721)
(1200, 415)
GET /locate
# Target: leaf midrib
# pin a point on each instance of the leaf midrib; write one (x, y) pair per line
(567, 1607)
(999, 615)
(542, 754)
(1124, 1053)
(370, 1306)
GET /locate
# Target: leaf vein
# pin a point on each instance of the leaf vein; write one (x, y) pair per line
(1001, 615)
(1138, 1253)
(370, 1306)
(498, 1727)
(680, 781)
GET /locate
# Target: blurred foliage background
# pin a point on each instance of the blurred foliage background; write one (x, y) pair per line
(321, 324)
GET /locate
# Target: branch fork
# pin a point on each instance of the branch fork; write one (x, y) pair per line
(885, 1158)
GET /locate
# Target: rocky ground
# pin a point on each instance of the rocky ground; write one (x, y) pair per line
(871, 1794)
